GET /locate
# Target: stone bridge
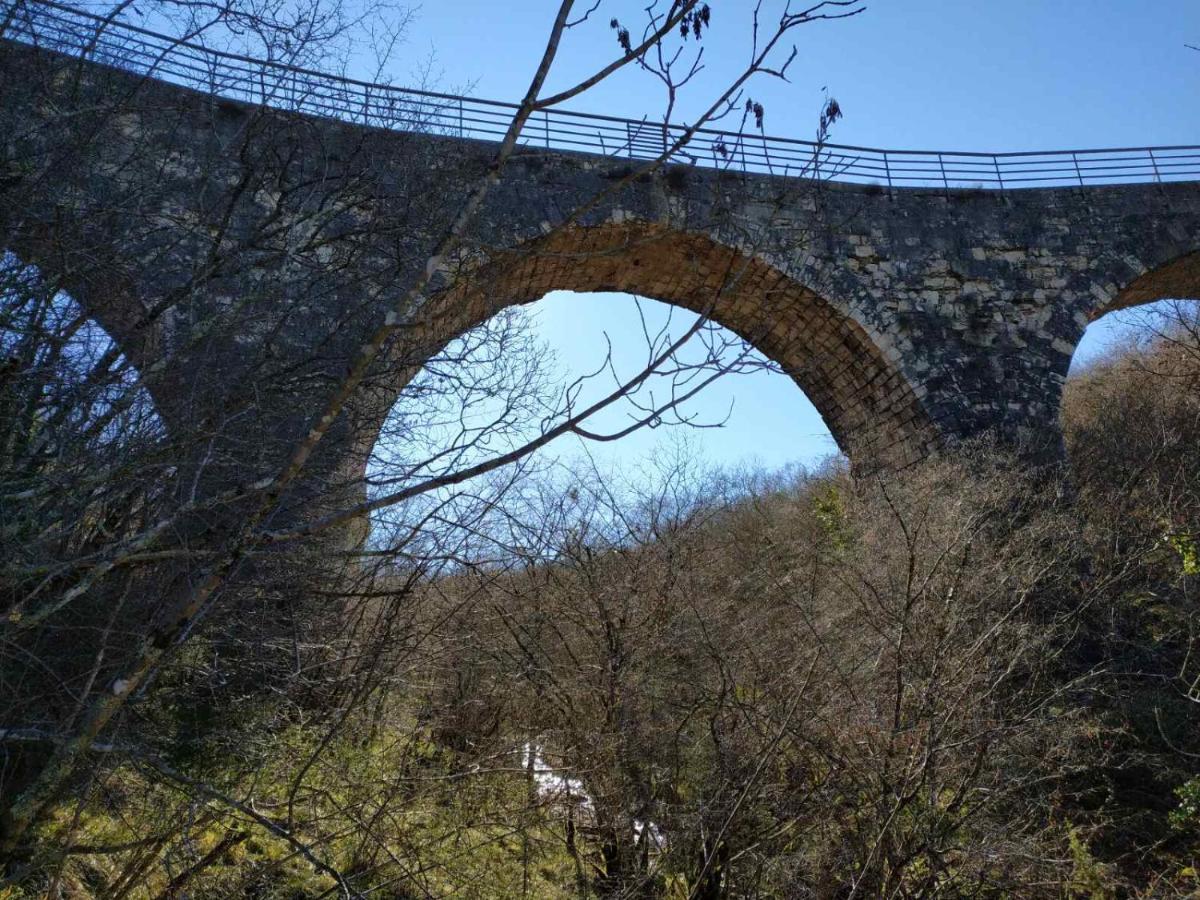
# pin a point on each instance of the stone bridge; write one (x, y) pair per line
(239, 254)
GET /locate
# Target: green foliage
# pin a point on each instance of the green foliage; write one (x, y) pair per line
(1089, 878)
(830, 511)
(458, 824)
(1185, 545)
(1187, 814)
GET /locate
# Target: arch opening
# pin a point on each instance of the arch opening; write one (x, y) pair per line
(67, 382)
(1148, 308)
(865, 400)
(748, 310)
(1129, 329)
(1130, 397)
(1177, 279)
(505, 383)
(859, 390)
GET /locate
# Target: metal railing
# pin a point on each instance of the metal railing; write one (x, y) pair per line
(71, 31)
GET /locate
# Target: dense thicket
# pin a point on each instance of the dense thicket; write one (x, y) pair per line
(970, 680)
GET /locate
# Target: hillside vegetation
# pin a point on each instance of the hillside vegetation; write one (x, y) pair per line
(974, 679)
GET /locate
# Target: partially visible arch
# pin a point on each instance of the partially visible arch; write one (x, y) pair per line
(61, 364)
(97, 288)
(89, 270)
(1177, 279)
(1114, 358)
(868, 404)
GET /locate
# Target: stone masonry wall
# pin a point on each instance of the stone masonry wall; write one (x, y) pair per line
(226, 247)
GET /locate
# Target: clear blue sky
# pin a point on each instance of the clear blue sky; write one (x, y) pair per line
(909, 74)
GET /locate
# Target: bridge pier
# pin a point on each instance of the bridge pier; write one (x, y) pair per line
(987, 377)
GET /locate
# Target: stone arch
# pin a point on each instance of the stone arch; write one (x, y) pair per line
(870, 407)
(93, 280)
(1132, 391)
(1176, 279)
(1139, 277)
(67, 348)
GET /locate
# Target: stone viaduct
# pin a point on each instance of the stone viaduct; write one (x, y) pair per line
(239, 253)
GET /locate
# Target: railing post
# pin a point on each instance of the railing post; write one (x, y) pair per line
(945, 181)
(887, 168)
(1154, 164)
(546, 123)
(999, 177)
(1078, 172)
(462, 130)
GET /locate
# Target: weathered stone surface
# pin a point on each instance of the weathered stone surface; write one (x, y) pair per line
(228, 248)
